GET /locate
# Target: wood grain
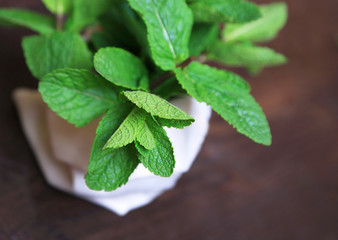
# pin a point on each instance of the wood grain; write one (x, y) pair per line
(236, 189)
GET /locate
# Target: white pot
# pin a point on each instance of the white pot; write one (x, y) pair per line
(63, 152)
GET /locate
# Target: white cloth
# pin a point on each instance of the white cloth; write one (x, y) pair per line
(63, 152)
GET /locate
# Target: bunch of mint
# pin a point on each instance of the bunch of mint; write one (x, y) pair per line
(124, 60)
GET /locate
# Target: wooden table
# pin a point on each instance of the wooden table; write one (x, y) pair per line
(236, 190)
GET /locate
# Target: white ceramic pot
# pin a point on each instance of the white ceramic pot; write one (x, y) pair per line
(63, 152)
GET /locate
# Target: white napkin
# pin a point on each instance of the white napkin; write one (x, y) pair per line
(63, 151)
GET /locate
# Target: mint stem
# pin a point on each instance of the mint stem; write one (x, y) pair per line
(161, 79)
(59, 22)
(167, 75)
(186, 62)
(88, 32)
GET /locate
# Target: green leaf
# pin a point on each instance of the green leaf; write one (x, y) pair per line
(160, 160)
(59, 50)
(228, 95)
(128, 130)
(121, 68)
(245, 55)
(202, 36)
(172, 123)
(110, 168)
(145, 136)
(86, 12)
(159, 107)
(265, 28)
(37, 22)
(216, 11)
(116, 167)
(58, 6)
(169, 24)
(134, 24)
(121, 27)
(78, 96)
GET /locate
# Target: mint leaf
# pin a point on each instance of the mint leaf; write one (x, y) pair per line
(160, 108)
(172, 123)
(216, 11)
(228, 95)
(202, 36)
(121, 68)
(121, 27)
(263, 29)
(245, 55)
(160, 160)
(86, 12)
(59, 50)
(145, 136)
(128, 130)
(169, 25)
(116, 167)
(35, 21)
(134, 24)
(110, 168)
(78, 96)
(58, 6)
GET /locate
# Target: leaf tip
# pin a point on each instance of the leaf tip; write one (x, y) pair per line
(265, 140)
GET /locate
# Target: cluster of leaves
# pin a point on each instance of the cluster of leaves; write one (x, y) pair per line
(145, 52)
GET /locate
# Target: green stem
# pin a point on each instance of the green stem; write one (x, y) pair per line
(167, 75)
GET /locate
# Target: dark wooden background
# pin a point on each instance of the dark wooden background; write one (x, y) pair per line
(236, 190)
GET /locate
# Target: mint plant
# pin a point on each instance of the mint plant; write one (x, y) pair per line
(124, 60)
